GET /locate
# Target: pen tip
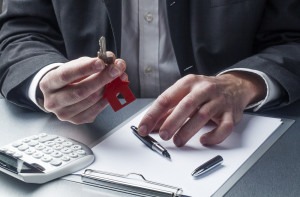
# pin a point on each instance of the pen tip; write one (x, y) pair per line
(166, 154)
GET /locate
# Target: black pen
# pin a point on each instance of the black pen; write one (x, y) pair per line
(207, 166)
(151, 143)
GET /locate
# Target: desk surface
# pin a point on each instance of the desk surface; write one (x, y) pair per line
(276, 173)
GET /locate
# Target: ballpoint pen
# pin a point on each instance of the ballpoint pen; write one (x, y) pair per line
(151, 143)
(207, 166)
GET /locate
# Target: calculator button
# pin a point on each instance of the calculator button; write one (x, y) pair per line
(48, 150)
(76, 147)
(57, 146)
(34, 137)
(26, 140)
(38, 155)
(65, 158)
(46, 158)
(42, 134)
(30, 151)
(17, 144)
(66, 150)
(59, 140)
(47, 138)
(23, 147)
(56, 154)
(40, 146)
(18, 155)
(80, 152)
(33, 143)
(49, 143)
(56, 162)
(73, 155)
(67, 143)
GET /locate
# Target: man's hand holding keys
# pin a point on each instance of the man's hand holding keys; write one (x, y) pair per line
(74, 91)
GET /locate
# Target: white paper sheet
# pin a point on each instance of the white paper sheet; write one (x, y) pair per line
(122, 153)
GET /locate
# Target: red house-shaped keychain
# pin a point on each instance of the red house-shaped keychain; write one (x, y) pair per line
(113, 89)
(117, 86)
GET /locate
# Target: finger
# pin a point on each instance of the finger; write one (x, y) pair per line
(74, 93)
(220, 133)
(162, 120)
(124, 77)
(89, 115)
(200, 118)
(166, 101)
(70, 72)
(68, 112)
(181, 113)
(111, 57)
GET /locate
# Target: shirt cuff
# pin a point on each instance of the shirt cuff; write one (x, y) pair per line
(273, 88)
(34, 84)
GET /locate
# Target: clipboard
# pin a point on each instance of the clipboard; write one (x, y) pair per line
(132, 183)
(225, 186)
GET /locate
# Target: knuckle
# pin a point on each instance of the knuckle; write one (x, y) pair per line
(49, 105)
(43, 85)
(163, 101)
(102, 104)
(64, 77)
(228, 126)
(188, 79)
(189, 103)
(94, 98)
(209, 86)
(78, 93)
(203, 114)
(82, 71)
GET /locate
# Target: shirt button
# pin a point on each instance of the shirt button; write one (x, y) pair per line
(148, 70)
(149, 17)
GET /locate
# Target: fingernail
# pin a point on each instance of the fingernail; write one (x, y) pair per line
(143, 130)
(120, 63)
(164, 135)
(98, 65)
(177, 141)
(114, 72)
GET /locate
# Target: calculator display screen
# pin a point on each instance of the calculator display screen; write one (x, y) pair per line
(16, 165)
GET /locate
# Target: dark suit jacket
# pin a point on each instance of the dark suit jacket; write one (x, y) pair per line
(208, 36)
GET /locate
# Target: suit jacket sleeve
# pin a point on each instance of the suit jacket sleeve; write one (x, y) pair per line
(30, 39)
(278, 48)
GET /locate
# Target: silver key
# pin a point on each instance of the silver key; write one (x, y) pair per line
(102, 52)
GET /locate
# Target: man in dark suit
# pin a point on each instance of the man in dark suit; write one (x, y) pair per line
(230, 54)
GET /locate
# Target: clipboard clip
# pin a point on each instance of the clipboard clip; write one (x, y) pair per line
(132, 183)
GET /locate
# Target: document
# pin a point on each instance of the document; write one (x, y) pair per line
(122, 152)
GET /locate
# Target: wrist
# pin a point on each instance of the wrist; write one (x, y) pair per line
(252, 86)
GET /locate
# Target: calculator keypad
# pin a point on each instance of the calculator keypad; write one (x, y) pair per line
(46, 149)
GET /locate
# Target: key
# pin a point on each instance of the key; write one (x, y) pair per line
(102, 52)
(117, 86)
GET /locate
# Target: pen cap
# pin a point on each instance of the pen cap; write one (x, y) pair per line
(131, 183)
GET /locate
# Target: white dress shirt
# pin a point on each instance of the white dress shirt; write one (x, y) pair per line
(147, 49)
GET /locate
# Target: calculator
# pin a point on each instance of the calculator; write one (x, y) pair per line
(44, 157)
